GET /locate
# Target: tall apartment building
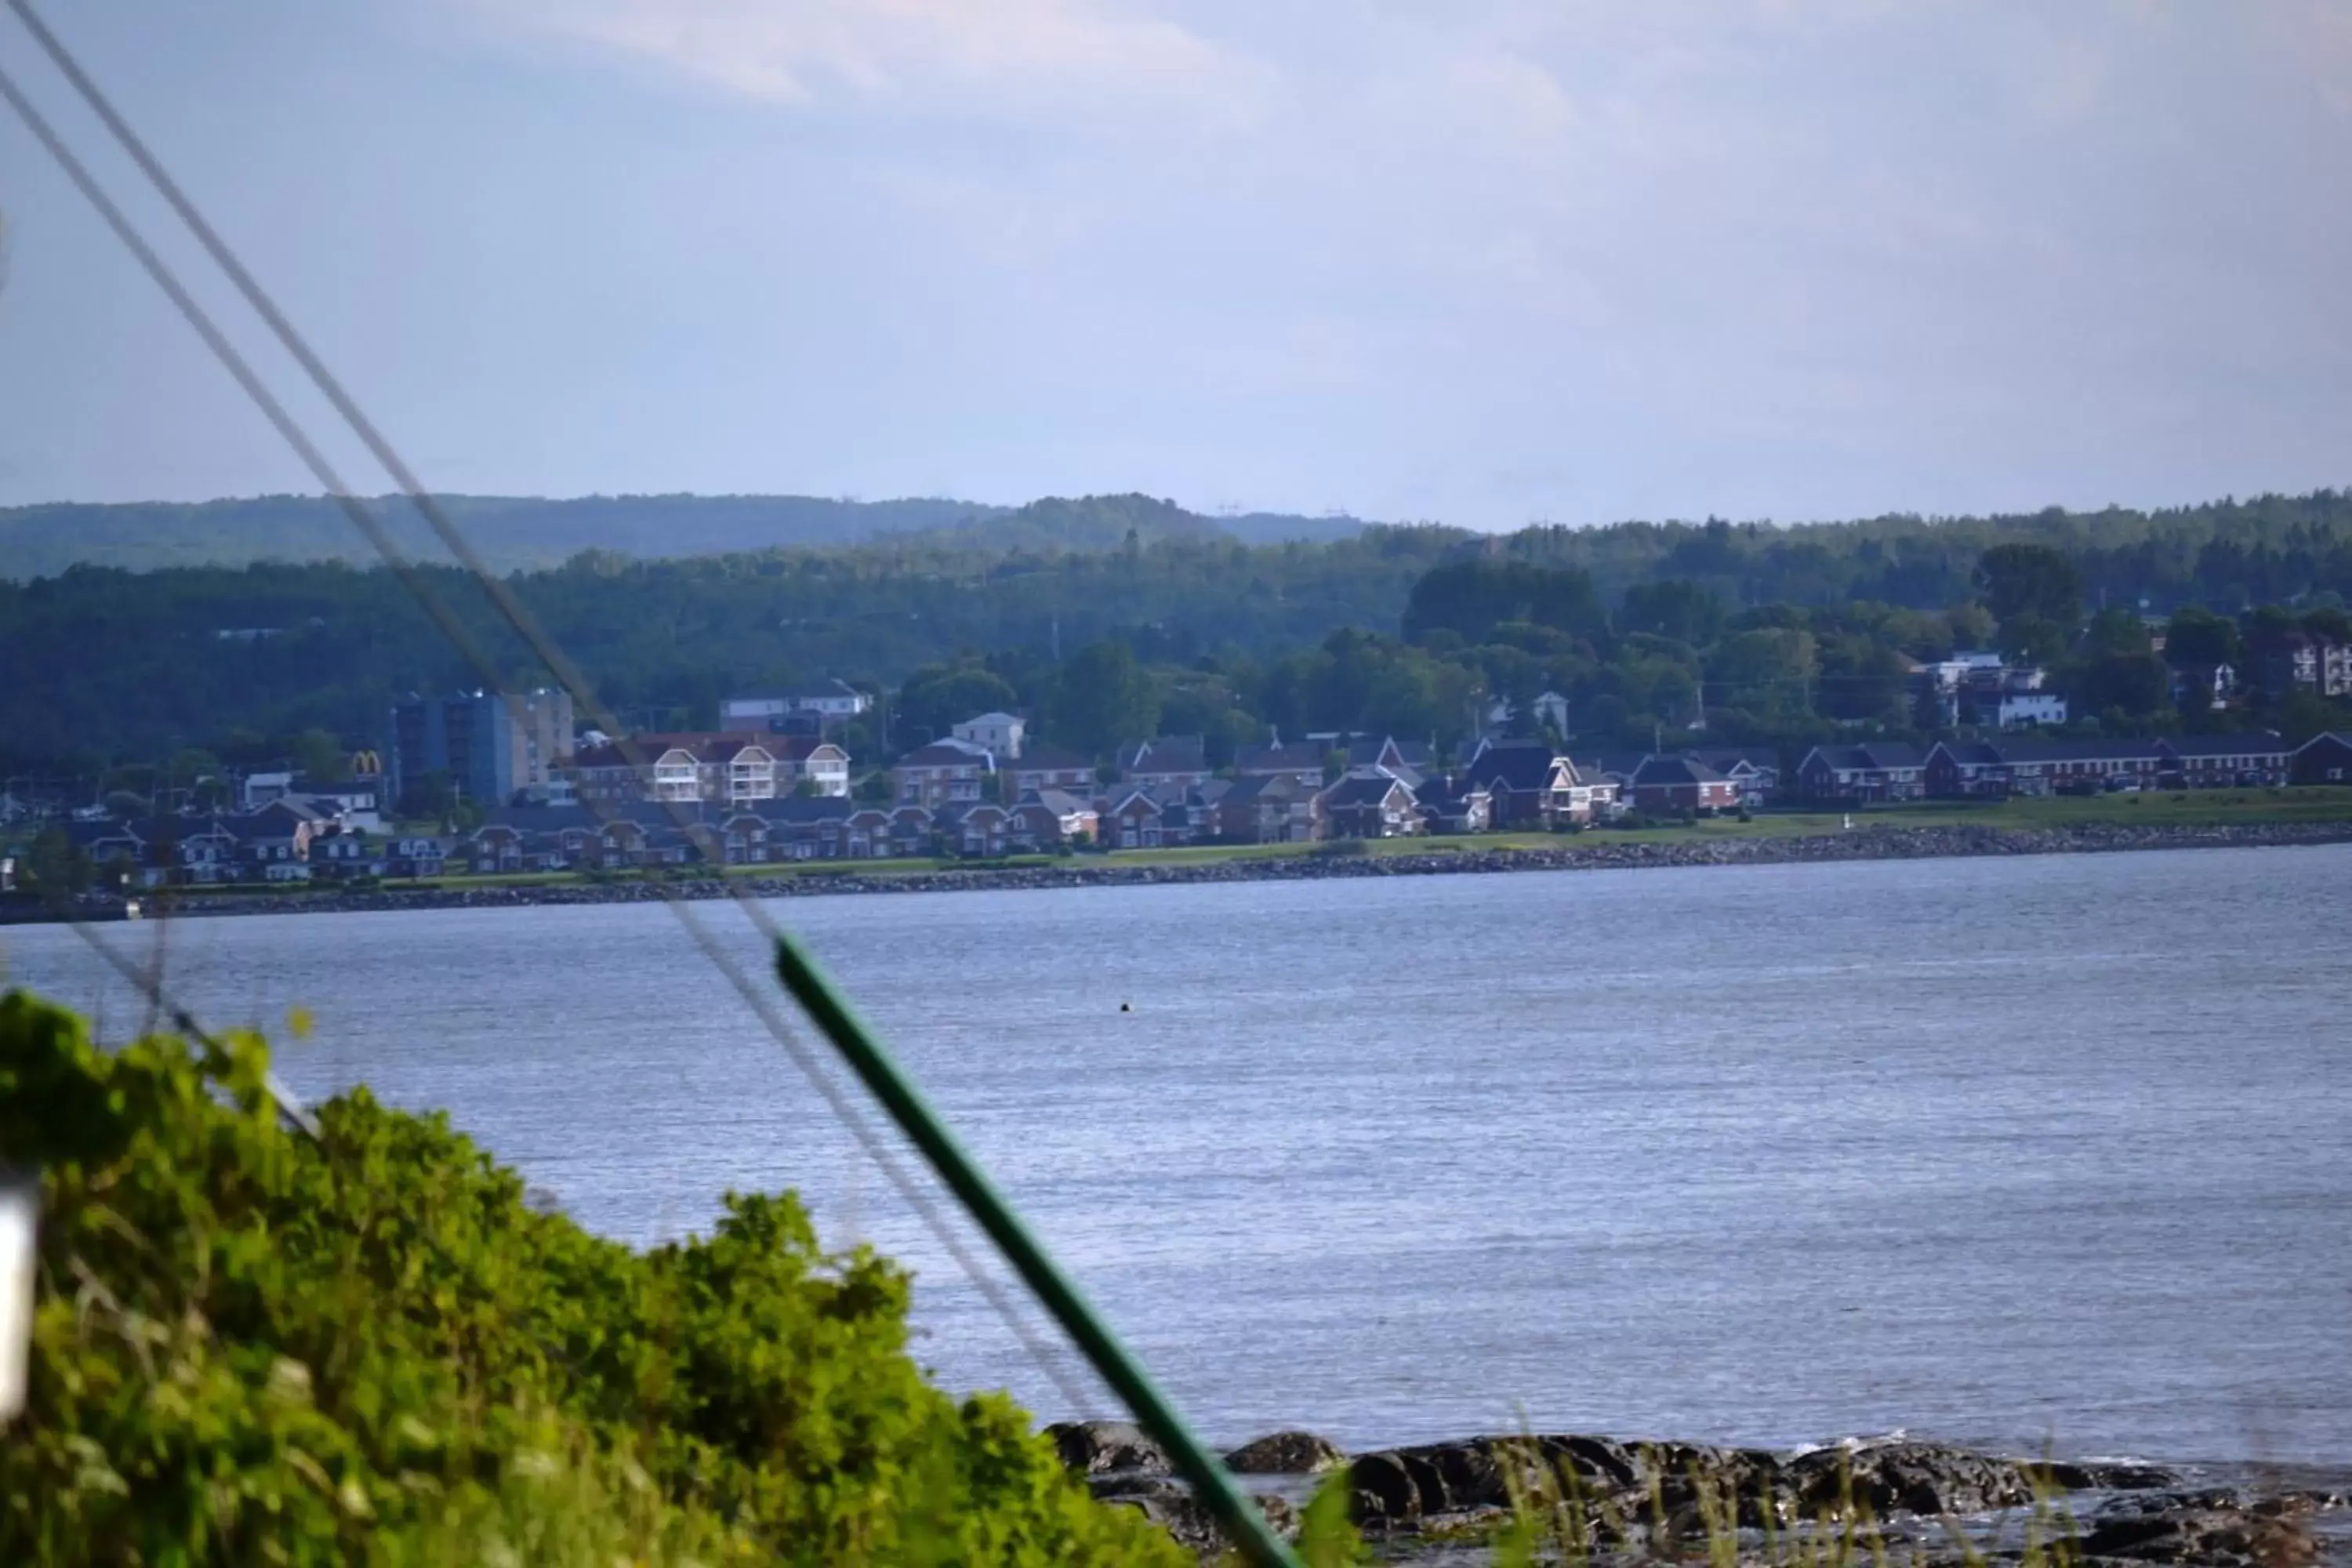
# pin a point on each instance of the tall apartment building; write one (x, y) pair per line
(491, 750)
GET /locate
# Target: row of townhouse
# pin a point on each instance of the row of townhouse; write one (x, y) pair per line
(284, 841)
(726, 768)
(966, 771)
(2001, 766)
(768, 832)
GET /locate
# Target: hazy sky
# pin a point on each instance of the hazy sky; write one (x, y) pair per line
(1483, 262)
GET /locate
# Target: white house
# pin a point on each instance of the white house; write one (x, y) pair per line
(2018, 708)
(832, 702)
(821, 762)
(259, 789)
(998, 735)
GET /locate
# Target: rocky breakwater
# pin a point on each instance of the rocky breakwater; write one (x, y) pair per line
(1609, 1500)
(1598, 850)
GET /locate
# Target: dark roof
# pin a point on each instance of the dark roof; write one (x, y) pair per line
(1041, 759)
(1168, 754)
(1620, 764)
(1724, 759)
(946, 754)
(1872, 756)
(813, 690)
(1250, 786)
(1362, 789)
(1297, 757)
(1663, 769)
(2038, 749)
(792, 809)
(1060, 800)
(2258, 742)
(1515, 765)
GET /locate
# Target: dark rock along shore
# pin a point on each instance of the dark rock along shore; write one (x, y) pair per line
(1587, 852)
(1921, 1501)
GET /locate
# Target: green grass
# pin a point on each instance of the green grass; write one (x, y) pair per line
(2167, 809)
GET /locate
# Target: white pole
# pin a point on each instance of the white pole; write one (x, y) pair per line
(20, 1206)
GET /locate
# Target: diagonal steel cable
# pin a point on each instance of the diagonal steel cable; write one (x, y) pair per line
(759, 996)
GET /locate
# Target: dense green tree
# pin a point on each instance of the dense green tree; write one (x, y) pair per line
(319, 757)
(2022, 580)
(2137, 685)
(1676, 609)
(1107, 700)
(2196, 637)
(2116, 632)
(1470, 598)
(2330, 622)
(56, 866)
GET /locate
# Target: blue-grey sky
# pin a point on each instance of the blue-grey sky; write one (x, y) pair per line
(1488, 261)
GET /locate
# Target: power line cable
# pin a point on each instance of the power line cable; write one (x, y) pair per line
(760, 997)
(1213, 1484)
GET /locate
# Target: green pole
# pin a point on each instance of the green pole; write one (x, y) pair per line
(863, 1049)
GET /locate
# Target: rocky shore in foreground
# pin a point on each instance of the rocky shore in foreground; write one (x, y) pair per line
(1610, 1502)
(1595, 851)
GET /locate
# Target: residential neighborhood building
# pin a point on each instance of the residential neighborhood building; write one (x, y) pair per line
(1409, 760)
(1270, 808)
(1526, 781)
(1757, 773)
(945, 773)
(811, 759)
(1176, 762)
(2222, 761)
(2017, 710)
(1877, 771)
(1301, 760)
(1998, 767)
(815, 708)
(1370, 803)
(998, 735)
(1683, 784)
(2324, 759)
(1048, 767)
(1450, 802)
(489, 747)
(686, 769)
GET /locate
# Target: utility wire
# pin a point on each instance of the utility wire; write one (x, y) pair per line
(759, 996)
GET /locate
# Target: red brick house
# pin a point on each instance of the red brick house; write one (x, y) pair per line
(1683, 784)
(2324, 759)
(1372, 803)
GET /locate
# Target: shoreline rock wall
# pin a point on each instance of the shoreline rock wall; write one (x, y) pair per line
(1593, 851)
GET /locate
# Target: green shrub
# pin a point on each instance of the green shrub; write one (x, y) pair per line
(251, 1348)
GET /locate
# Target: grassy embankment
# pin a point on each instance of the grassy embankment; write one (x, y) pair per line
(2194, 808)
(248, 1346)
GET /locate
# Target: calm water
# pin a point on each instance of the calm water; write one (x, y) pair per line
(2002, 1150)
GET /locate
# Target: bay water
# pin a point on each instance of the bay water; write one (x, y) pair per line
(2031, 1151)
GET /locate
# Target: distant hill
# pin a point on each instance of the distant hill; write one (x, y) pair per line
(524, 533)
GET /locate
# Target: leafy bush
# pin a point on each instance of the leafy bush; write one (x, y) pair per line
(249, 1347)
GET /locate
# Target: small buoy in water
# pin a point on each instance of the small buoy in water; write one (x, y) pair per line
(1126, 1007)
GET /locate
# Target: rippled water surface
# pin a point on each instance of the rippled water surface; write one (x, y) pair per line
(2007, 1151)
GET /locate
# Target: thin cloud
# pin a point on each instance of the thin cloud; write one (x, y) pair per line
(1024, 58)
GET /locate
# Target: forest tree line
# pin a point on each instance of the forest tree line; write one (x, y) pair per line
(1767, 633)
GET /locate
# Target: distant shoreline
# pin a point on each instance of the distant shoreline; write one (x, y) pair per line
(1590, 852)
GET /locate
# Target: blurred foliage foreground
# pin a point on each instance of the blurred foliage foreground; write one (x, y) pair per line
(250, 1348)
